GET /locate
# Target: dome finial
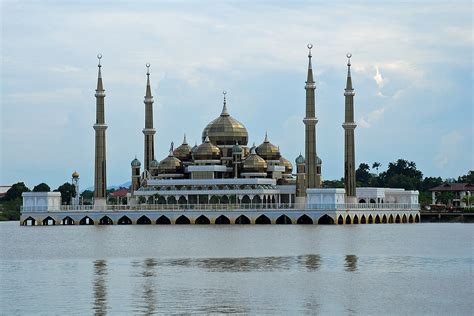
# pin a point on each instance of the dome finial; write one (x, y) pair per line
(310, 46)
(224, 108)
(185, 142)
(99, 57)
(266, 137)
(147, 69)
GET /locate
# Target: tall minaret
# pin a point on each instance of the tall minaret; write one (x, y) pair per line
(313, 178)
(149, 131)
(349, 147)
(100, 178)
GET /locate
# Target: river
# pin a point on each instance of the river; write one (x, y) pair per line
(249, 269)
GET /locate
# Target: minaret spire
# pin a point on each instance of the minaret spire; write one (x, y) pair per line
(313, 173)
(224, 107)
(100, 170)
(349, 145)
(148, 131)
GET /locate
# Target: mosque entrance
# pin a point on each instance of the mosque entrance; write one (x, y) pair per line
(242, 220)
(67, 221)
(48, 221)
(283, 220)
(304, 220)
(222, 220)
(182, 220)
(163, 220)
(106, 221)
(262, 220)
(143, 220)
(124, 220)
(86, 221)
(325, 220)
(202, 220)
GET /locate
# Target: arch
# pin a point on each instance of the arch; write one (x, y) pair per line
(283, 219)
(377, 219)
(257, 199)
(106, 221)
(390, 219)
(143, 220)
(370, 220)
(372, 201)
(171, 199)
(225, 199)
(355, 220)
(182, 220)
(182, 200)
(404, 218)
(242, 219)
(340, 220)
(362, 220)
(30, 221)
(417, 218)
(245, 199)
(362, 201)
(67, 221)
(214, 200)
(304, 220)
(410, 219)
(384, 219)
(263, 220)
(348, 220)
(161, 200)
(202, 220)
(86, 221)
(163, 220)
(49, 221)
(222, 220)
(325, 220)
(124, 220)
(397, 219)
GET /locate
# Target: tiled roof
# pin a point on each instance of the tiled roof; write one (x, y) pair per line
(119, 193)
(453, 187)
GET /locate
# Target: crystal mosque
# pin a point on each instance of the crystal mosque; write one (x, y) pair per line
(224, 180)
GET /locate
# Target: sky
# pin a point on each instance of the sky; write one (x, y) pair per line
(412, 71)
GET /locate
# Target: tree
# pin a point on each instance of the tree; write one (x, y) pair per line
(333, 183)
(68, 191)
(430, 182)
(363, 175)
(468, 200)
(445, 197)
(468, 178)
(376, 166)
(15, 191)
(404, 174)
(42, 187)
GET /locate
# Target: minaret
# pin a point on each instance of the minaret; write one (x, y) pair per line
(349, 147)
(313, 179)
(100, 178)
(149, 131)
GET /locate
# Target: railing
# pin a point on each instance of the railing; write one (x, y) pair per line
(244, 206)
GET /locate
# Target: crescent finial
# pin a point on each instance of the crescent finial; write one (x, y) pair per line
(99, 57)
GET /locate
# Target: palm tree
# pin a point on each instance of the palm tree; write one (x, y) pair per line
(468, 200)
(376, 166)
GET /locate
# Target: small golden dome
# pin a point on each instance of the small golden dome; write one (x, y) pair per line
(75, 174)
(287, 164)
(207, 151)
(254, 163)
(225, 130)
(268, 151)
(183, 152)
(170, 164)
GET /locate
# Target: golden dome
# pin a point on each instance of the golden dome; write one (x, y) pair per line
(268, 151)
(75, 174)
(207, 151)
(170, 164)
(225, 130)
(254, 163)
(183, 152)
(287, 164)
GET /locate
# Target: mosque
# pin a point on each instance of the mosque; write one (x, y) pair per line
(225, 180)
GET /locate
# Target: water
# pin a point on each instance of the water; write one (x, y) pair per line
(289, 269)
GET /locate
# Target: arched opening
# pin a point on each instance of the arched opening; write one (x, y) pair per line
(390, 219)
(263, 220)
(372, 201)
(182, 220)
(172, 200)
(283, 220)
(348, 220)
(340, 220)
(86, 221)
(356, 220)
(67, 221)
(124, 220)
(224, 199)
(214, 200)
(384, 219)
(417, 219)
(222, 220)
(257, 199)
(202, 220)
(371, 219)
(410, 219)
(143, 220)
(106, 221)
(377, 219)
(182, 200)
(163, 220)
(30, 221)
(397, 219)
(362, 220)
(161, 200)
(325, 220)
(361, 201)
(245, 200)
(242, 220)
(304, 220)
(404, 218)
(48, 221)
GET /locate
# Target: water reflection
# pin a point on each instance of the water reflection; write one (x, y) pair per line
(351, 263)
(100, 287)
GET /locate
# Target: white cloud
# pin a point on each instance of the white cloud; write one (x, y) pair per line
(378, 78)
(449, 149)
(372, 118)
(64, 69)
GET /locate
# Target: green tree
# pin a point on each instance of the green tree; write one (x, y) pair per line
(468, 178)
(468, 200)
(15, 191)
(402, 174)
(333, 183)
(445, 197)
(430, 182)
(363, 175)
(42, 187)
(376, 166)
(67, 191)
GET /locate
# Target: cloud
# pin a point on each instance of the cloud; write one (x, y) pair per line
(449, 149)
(373, 117)
(379, 80)
(64, 69)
